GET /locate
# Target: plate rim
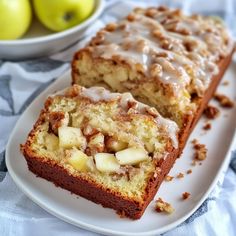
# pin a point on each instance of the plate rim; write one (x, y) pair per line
(88, 226)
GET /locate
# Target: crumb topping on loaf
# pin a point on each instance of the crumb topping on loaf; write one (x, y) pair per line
(108, 138)
(178, 50)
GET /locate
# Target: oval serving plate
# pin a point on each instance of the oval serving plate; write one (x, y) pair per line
(87, 215)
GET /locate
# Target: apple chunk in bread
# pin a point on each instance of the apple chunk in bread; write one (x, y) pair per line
(78, 160)
(71, 137)
(106, 162)
(131, 156)
(51, 142)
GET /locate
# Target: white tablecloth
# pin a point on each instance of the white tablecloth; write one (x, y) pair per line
(22, 81)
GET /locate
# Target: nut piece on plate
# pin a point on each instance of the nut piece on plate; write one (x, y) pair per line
(162, 206)
(224, 100)
(131, 156)
(71, 137)
(211, 112)
(77, 159)
(106, 162)
(201, 151)
(185, 195)
(51, 142)
(169, 178)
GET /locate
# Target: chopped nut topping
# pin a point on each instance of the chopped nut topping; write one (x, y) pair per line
(142, 46)
(58, 119)
(180, 175)
(224, 100)
(207, 126)
(162, 8)
(165, 44)
(185, 195)
(189, 171)
(152, 111)
(132, 104)
(201, 151)
(162, 206)
(131, 17)
(211, 112)
(176, 12)
(111, 27)
(99, 39)
(151, 12)
(169, 178)
(158, 34)
(156, 70)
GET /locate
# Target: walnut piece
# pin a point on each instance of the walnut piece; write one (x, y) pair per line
(211, 112)
(224, 100)
(189, 171)
(207, 126)
(185, 195)
(169, 178)
(111, 27)
(162, 206)
(180, 175)
(201, 151)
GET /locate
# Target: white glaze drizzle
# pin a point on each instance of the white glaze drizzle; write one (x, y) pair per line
(136, 44)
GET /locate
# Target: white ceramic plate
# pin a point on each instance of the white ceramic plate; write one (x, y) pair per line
(87, 215)
(39, 41)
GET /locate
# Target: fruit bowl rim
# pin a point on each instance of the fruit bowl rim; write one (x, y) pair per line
(99, 6)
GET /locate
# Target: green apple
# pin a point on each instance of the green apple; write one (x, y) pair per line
(60, 15)
(15, 18)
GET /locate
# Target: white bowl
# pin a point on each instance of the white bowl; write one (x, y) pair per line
(39, 41)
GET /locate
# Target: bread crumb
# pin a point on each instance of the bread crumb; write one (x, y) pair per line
(225, 83)
(169, 178)
(185, 195)
(194, 141)
(201, 151)
(224, 100)
(211, 112)
(194, 162)
(207, 126)
(180, 175)
(189, 171)
(162, 206)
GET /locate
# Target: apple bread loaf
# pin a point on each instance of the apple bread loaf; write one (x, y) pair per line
(104, 146)
(164, 58)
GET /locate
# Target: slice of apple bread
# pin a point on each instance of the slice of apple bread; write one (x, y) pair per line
(106, 147)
